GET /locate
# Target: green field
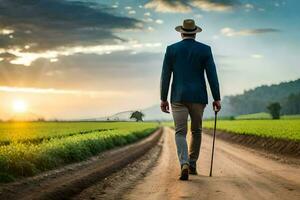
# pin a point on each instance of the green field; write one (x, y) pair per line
(290, 117)
(264, 115)
(255, 116)
(31, 147)
(283, 129)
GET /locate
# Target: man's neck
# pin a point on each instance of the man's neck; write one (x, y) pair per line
(188, 37)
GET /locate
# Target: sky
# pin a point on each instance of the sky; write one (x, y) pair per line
(72, 59)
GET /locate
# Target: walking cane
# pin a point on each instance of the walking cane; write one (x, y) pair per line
(213, 146)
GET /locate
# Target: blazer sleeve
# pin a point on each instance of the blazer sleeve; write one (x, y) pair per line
(212, 77)
(165, 76)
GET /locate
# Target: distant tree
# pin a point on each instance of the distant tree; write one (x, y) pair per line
(291, 105)
(41, 119)
(137, 115)
(231, 118)
(274, 109)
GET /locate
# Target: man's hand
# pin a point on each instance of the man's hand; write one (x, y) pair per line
(164, 106)
(217, 106)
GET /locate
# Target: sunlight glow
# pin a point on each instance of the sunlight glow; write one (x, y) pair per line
(19, 106)
(91, 93)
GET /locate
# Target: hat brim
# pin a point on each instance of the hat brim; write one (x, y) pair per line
(180, 30)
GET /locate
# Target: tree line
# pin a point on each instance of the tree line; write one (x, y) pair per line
(287, 94)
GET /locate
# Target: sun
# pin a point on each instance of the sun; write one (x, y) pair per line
(19, 106)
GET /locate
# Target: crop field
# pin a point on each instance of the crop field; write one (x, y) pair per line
(261, 115)
(31, 147)
(290, 117)
(264, 115)
(283, 129)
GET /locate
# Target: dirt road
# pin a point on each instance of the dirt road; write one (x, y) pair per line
(238, 174)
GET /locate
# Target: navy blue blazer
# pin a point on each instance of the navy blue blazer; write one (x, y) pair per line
(187, 60)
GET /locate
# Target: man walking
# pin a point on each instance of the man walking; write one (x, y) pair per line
(187, 60)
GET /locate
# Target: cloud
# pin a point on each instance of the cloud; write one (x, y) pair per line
(249, 6)
(171, 6)
(159, 21)
(215, 5)
(53, 60)
(257, 56)
(131, 12)
(198, 16)
(150, 28)
(229, 32)
(50, 25)
(6, 31)
(7, 56)
(185, 6)
(26, 58)
(148, 19)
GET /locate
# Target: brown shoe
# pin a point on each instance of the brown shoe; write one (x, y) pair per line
(184, 175)
(192, 170)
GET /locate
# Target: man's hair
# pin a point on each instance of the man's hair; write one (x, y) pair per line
(188, 34)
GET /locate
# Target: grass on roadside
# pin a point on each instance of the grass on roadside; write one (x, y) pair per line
(21, 157)
(282, 129)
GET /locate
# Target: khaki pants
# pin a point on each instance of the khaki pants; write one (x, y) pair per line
(180, 112)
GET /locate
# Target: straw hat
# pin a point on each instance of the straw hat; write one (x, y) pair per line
(188, 27)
